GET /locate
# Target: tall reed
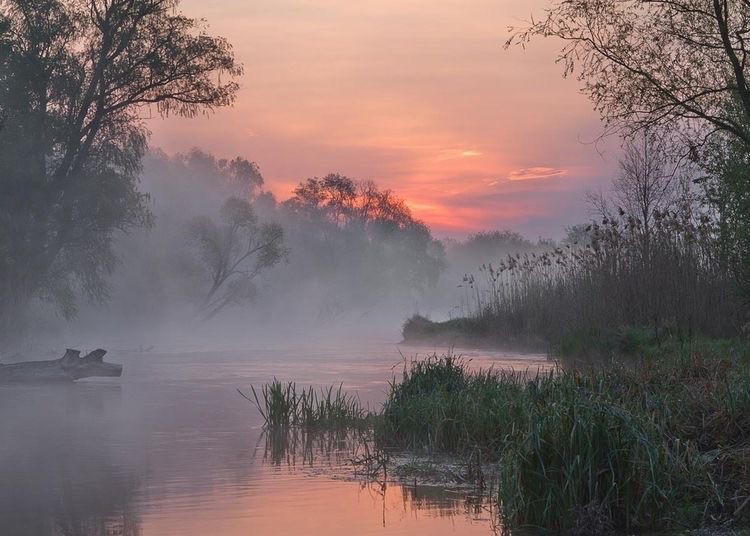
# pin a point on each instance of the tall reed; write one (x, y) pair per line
(579, 296)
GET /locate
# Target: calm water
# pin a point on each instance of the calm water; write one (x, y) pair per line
(171, 448)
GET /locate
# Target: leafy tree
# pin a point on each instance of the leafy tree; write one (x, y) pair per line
(77, 79)
(233, 253)
(726, 188)
(354, 235)
(651, 62)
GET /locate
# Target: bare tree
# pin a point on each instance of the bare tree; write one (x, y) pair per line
(646, 183)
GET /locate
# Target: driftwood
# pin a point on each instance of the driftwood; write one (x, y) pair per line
(69, 367)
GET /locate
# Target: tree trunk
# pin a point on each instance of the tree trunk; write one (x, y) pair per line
(68, 368)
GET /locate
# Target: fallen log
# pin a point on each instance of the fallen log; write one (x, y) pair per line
(69, 367)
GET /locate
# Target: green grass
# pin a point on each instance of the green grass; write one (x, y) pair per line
(439, 406)
(654, 444)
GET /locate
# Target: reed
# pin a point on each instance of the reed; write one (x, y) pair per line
(582, 298)
(284, 405)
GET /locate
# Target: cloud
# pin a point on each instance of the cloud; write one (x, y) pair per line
(537, 172)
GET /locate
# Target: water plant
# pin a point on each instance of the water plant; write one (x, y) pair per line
(282, 404)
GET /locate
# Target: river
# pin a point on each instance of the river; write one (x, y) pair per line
(170, 448)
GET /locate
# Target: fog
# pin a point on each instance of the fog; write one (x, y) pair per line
(351, 263)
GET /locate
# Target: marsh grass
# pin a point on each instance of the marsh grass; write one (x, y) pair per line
(662, 442)
(284, 405)
(438, 405)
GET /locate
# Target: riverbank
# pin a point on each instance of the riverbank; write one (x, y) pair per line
(467, 333)
(661, 442)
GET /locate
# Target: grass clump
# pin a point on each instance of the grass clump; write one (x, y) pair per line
(283, 405)
(440, 406)
(584, 448)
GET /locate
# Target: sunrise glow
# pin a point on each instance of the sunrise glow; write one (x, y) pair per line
(420, 98)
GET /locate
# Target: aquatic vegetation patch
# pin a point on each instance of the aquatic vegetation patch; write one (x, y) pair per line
(282, 404)
(658, 443)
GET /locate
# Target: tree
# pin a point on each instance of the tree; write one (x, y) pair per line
(333, 197)
(238, 176)
(76, 81)
(726, 188)
(645, 185)
(353, 235)
(653, 62)
(233, 253)
(679, 66)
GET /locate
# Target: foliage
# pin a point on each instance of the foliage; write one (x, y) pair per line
(233, 253)
(645, 63)
(74, 80)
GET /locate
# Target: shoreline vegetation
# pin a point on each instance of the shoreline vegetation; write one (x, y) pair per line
(658, 441)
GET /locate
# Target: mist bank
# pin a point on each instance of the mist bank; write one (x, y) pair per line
(223, 263)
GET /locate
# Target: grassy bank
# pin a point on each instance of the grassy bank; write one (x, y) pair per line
(662, 443)
(658, 443)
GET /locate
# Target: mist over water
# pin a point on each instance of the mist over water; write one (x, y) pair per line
(171, 448)
(348, 269)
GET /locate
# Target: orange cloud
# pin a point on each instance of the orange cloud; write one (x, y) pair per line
(537, 172)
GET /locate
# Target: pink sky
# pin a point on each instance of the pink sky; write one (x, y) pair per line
(416, 95)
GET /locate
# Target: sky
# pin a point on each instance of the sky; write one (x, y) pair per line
(419, 96)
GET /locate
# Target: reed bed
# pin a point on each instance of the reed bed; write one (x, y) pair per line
(582, 298)
(660, 445)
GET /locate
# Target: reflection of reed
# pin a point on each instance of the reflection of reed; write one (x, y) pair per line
(356, 450)
(442, 501)
(293, 446)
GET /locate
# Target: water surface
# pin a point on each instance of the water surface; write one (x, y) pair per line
(171, 449)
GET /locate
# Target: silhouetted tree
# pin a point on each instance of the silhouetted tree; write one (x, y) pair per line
(76, 79)
(646, 184)
(650, 62)
(232, 253)
(356, 236)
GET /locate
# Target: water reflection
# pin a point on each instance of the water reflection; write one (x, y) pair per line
(294, 446)
(51, 482)
(171, 449)
(352, 455)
